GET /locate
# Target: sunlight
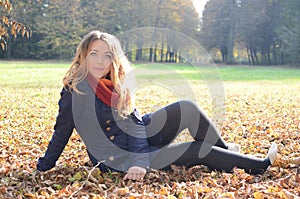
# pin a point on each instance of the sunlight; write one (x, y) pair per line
(199, 5)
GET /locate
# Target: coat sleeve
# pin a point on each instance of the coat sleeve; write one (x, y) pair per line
(137, 142)
(62, 131)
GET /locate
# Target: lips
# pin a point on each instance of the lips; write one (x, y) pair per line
(98, 69)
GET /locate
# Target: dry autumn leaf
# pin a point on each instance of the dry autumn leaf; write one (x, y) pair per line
(25, 130)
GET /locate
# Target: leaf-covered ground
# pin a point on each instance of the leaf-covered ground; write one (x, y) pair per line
(257, 113)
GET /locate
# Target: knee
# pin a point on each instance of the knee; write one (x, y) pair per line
(188, 104)
(192, 109)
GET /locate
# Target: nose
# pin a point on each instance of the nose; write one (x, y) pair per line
(100, 60)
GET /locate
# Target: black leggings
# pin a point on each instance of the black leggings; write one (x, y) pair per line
(208, 147)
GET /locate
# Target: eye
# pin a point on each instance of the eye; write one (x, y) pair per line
(93, 53)
(108, 56)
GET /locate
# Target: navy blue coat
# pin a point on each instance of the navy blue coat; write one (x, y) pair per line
(120, 143)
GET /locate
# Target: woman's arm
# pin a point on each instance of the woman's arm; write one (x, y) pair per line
(62, 131)
(138, 145)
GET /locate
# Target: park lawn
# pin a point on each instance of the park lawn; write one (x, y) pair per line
(31, 73)
(261, 104)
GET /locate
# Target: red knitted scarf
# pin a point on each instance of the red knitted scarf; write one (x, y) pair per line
(104, 90)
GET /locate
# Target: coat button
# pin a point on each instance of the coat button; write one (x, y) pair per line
(108, 129)
(112, 137)
(107, 121)
(111, 158)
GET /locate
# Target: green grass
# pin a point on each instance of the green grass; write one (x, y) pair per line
(24, 74)
(252, 73)
(46, 73)
(224, 73)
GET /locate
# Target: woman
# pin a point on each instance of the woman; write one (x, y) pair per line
(96, 100)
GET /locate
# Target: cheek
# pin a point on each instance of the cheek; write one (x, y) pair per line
(89, 65)
(106, 62)
(90, 60)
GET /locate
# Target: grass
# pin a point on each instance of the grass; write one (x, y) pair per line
(25, 74)
(253, 73)
(37, 78)
(44, 73)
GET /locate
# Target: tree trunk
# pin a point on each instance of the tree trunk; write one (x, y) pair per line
(282, 58)
(255, 56)
(252, 55)
(162, 52)
(224, 53)
(151, 55)
(275, 55)
(230, 41)
(9, 47)
(155, 56)
(269, 51)
(248, 55)
(179, 57)
(168, 56)
(155, 25)
(172, 57)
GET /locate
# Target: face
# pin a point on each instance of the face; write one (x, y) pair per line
(99, 57)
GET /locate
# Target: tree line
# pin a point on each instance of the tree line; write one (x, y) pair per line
(268, 30)
(233, 31)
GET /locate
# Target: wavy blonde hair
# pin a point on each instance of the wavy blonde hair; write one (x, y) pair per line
(118, 71)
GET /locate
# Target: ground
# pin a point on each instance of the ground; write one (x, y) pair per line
(257, 113)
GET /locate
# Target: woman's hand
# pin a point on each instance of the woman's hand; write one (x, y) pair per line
(135, 173)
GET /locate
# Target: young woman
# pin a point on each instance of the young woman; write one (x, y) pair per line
(96, 101)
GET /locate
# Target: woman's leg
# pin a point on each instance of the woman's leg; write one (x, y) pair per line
(169, 121)
(217, 158)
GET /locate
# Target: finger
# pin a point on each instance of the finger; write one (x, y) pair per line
(134, 176)
(128, 176)
(140, 177)
(125, 177)
(143, 175)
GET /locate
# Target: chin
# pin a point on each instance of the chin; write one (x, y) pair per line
(96, 76)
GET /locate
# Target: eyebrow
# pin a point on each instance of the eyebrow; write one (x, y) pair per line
(98, 51)
(92, 49)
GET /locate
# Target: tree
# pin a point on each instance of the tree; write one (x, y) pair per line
(25, 11)
(61, 28)
(269, 29)
(288, 33)
(258, 20)
(179, 16)
(217, 28)
(8, 26)
(58, 26)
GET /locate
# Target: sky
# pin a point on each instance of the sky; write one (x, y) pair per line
(199, 5)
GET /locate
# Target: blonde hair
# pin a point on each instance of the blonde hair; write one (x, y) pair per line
(118, 71)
